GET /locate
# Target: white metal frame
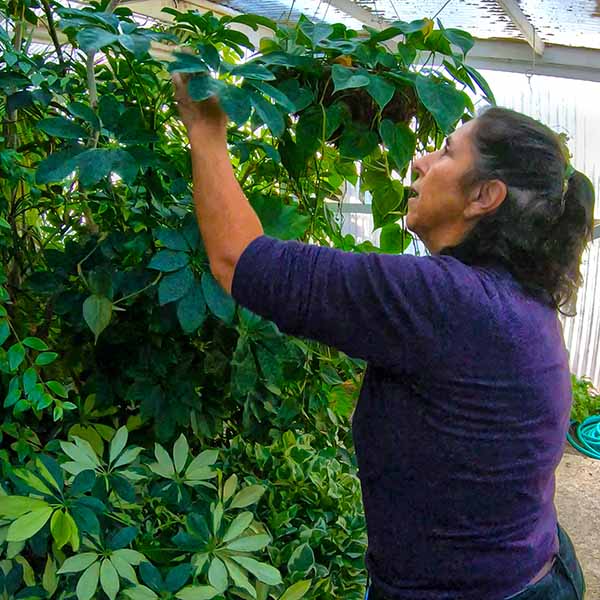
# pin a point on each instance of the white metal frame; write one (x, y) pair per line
(518, 17)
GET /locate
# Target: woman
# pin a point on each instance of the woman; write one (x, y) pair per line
(465, 403)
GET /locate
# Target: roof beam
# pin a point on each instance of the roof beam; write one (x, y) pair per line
(517, 16)
(514, 56)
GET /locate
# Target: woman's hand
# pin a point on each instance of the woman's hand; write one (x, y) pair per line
(205, 121)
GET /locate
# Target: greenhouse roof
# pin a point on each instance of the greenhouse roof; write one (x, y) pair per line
(548, 37)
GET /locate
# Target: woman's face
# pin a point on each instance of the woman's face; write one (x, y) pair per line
(437, 213)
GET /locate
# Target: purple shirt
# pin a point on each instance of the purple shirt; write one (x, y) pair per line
(462, 416)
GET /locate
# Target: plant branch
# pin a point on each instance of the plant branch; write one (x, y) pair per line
(52, 32)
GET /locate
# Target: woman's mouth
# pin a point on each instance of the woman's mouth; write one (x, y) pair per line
(411, 193)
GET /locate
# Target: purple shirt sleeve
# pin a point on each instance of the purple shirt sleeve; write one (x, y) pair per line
(390, 310)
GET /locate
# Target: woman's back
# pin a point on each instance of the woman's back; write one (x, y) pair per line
(457, 459)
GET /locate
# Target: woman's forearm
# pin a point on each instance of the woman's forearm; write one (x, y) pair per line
(227, 221)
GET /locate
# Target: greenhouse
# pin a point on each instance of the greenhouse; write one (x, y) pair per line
(300, 299)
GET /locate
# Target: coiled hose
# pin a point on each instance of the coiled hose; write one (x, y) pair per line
(587, 436)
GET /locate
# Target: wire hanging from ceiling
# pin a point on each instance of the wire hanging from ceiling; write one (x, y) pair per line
(441, 9)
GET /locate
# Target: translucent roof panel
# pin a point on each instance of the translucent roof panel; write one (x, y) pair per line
(562, 22)
(290, 11)
(565, 22)
(481, 18)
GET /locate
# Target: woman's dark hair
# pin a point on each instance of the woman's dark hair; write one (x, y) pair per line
(542, 227)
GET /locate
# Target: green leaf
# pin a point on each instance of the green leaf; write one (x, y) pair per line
(196, 592)
(35, 343)
(482, 83)
(109, 579)
(81, 452)
(229, 487)
(401, 141)
(33, 481)
(173, 240)
(123, 568)
(4, 223)
(49, 579)
(238, 526)
(180, 453)
(164, 460)
(151, 576)
(16, 355)
(85, 112)
(442, 100)
(58, 388)
(122, 538)
(217, 575)
(62, 128)
(269, 115)
(178, 577)
(93, 38)
(29, 380)
(203, 86)
(459, 38)
(97, 312)
(191, 309)
(387, 199)
(282, 221)
(77, 563)
(253, 71)
(46, 358)
(315, 32)
(28, 525)
(253, 21)
(57, 166)
(140, 592)
(4, 331)
(168, 260)
(262, 571)
(218, 301)
(12, 507)
(249, 495)
(96, 163)
(118, 443)
(235, 102)
(299, 95)
(133, 557)
(136, 43)
(238, 575)
(302, 559)
(127, 457)
(381, 91)
(296, 591)
(187, 63)
(61, 526)
(357, 141)
(88, 582)
(345, 78)
(200, 466)
(275, 94)
(394, 240)
(249, 543)
(175, 286)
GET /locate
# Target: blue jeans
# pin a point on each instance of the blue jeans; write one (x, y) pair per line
(563, 582)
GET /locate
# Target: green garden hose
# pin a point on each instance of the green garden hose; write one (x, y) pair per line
(588, 437)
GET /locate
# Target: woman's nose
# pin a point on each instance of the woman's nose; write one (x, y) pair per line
(418, 166)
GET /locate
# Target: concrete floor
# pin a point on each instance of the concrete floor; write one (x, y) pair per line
(578, 505)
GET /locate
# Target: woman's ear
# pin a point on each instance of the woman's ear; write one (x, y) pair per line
(487, 197)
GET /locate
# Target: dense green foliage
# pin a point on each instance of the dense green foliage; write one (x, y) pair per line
(157, 439)
(586, 400)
